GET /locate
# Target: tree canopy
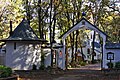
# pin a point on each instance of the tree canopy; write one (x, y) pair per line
(64, 14)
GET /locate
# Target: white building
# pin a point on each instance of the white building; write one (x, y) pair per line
(113, 48)
(23, 48)
(105, 48)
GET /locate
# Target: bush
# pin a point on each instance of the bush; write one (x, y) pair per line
(34, 67)
(5, 71)
(110, 65)
(73, 64)
(42, 67)
(117, 65)
(49, 67)
(69, 66)
(82, 63)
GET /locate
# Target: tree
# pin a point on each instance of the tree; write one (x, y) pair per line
(46, 16)
(9, 10)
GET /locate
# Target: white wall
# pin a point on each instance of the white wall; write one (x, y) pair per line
(47, 57)
(59, 59)
(23, 57)
(2, 56)
(116, 56)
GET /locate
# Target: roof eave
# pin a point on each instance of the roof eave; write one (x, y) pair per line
(33, 41)
(89, 23)
(112, 48)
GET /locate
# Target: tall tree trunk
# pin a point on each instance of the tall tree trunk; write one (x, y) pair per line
(73, 21)
(71, 38)
(82, 52)
(51, 33)
(73, 42)
(93, 48)
(81, 48)
(28, 11)
(101, 45)
(95, 23)
(66, 53)
(39, 19)
(72, 48)
(76, 45)
(54, 18)
(77, 32)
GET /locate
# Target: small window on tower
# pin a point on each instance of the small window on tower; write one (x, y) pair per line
(15, 45)
(91, 36)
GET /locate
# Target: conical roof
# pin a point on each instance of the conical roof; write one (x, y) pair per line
(23, 32)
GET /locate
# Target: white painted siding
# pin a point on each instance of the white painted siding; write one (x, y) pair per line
(47, 57)
(116, 56)
(23, 57)
(59, 58)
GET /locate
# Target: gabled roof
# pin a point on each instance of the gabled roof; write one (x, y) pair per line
(112, 46)
(76, 27)
(23, 32)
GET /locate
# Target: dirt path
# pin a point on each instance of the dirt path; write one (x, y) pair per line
(89, 67)
(88, 72)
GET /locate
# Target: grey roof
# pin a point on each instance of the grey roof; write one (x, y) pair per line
(112, 46)
(23, 32)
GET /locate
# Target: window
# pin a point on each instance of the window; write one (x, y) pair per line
(14, 45)
(91, 36)
(110, 56)
(88, 51)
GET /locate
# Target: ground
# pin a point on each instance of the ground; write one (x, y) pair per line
(88, 72)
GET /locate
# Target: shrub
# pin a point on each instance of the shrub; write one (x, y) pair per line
(34, 67)
(82, 63)
(117, 65)
(42, 67)
(69, 66)
(5, 71)
(73, 64)
(49, 67)
(110, 65)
